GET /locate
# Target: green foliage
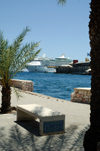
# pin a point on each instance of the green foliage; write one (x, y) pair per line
(62, 1)
(14, 57)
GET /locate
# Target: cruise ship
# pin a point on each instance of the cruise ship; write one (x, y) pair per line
(59, 61)
(36, 66)
(62, 60)
(45, 64)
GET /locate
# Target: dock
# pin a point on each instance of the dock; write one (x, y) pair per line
(76, 68)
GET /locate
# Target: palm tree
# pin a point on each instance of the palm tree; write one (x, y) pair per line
(92, 136)
(13, 58)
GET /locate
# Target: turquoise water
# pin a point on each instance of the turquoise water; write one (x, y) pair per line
(55, 85)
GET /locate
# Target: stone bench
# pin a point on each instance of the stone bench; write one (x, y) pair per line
(50, 122)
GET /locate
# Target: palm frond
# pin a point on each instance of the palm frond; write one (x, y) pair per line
(22, 62)
(26, 54)
(17, 92)
(15, 47)
(17, 43)
(14, 58)
(3, 58)
(62, 1)
(3, 42)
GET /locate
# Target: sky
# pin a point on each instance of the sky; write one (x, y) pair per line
(60, 29)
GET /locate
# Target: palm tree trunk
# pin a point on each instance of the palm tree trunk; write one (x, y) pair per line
(92, 136)
(6, 97)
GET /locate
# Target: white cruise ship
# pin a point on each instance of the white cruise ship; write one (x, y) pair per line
(59, 61)
(43, 64)
(62, 60)
(36, 66)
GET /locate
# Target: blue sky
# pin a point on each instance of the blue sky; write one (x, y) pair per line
(60, 29)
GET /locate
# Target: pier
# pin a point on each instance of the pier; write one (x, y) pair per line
(75, 68)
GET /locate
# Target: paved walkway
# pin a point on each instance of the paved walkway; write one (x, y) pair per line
(24, 137)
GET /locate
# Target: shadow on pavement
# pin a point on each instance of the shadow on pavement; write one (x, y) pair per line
(23, 139)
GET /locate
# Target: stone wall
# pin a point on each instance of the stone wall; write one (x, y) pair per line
(81, 95)
(25, 85)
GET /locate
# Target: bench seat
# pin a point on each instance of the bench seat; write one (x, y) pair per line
(50, 122)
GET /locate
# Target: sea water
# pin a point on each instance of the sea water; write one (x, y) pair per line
(55, 85)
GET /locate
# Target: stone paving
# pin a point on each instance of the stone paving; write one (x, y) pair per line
(23, 136)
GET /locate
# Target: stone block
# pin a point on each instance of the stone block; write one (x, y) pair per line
(82, 95)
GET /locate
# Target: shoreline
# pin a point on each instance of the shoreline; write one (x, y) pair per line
(72, 110)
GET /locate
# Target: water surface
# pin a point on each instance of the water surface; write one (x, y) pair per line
(55, 85)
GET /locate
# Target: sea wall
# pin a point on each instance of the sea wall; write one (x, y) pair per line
(81, 95)
(77, 68)
(25, 85)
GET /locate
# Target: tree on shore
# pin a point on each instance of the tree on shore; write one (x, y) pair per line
(92, 136)
(13, 58)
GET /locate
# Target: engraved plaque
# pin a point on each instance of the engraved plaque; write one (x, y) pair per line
(53, 126)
